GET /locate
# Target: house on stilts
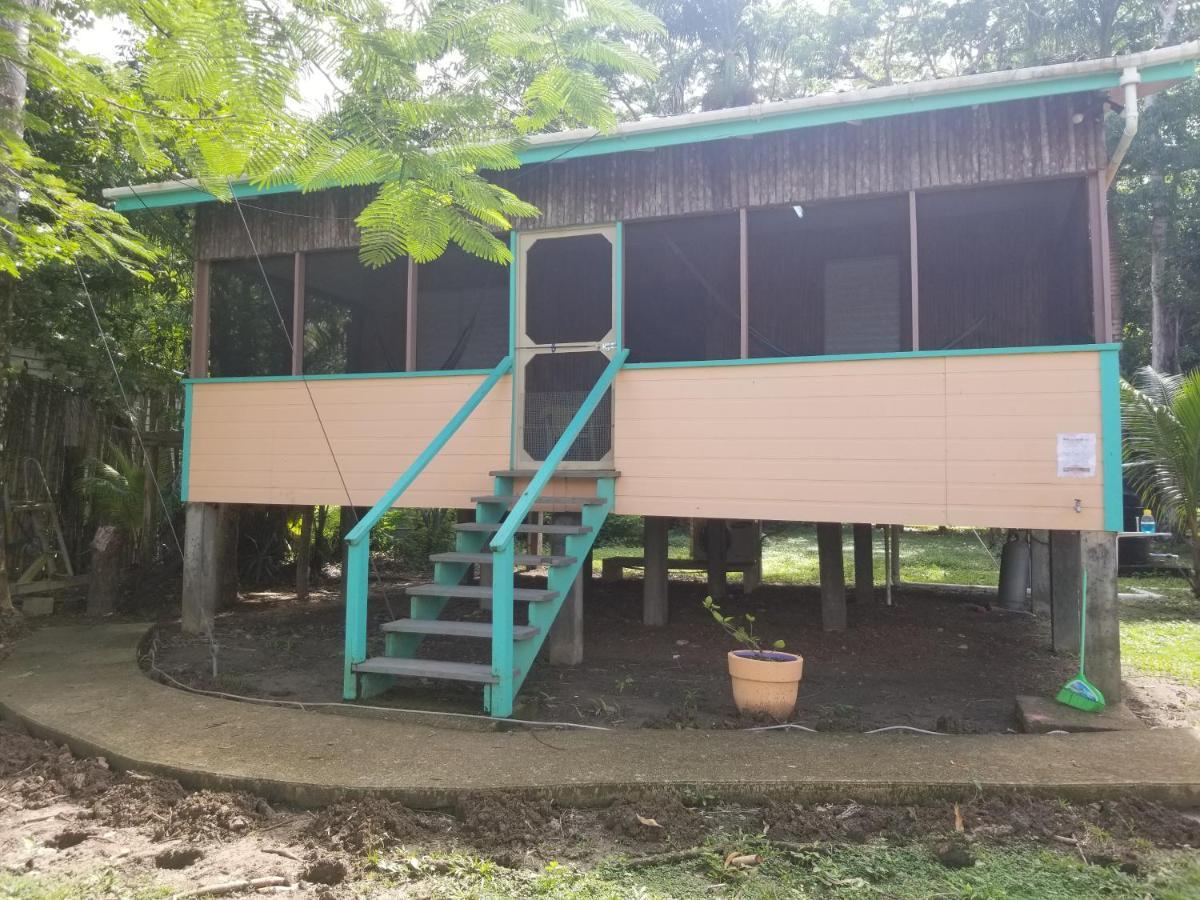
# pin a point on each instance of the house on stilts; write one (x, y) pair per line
(892, 305)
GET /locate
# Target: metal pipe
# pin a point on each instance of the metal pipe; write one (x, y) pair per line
(1130, 79)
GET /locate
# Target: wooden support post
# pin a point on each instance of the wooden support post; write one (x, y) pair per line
(304, 554)
(1103, 657)
(655, 584)
(1066, 571)
(150, 499)
(200, 320)
(864, 563)
(896, 531)
(298, 293)
(717, 545)
(564, 643)
(104, 581)
(833, 576)
(202, 542)
(1039, 572)
(229, 533)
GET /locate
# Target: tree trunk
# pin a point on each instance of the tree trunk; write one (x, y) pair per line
(1196, 566)
(1160, 337)
(304, 554)
(12, 121)
(104, 580)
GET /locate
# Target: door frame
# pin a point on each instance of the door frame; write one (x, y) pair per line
(524, 348)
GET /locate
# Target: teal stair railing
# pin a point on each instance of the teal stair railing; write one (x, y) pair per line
(508, 671)
(358, 541)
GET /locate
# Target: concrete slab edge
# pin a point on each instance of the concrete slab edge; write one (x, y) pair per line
(311, 795)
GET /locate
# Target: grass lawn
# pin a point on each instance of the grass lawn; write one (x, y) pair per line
(1160, 635)
(873, 869)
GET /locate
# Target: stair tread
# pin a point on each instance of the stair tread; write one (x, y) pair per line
(454, 628)
(469, 591)
(428, 668)
(544, 500)
(521, 559)
(531, 528)
(559, 473)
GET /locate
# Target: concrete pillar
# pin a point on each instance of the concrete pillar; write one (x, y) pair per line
(1066, 570)
(896, 531)
(833, 576)
(1039, 572)
(864, 563)
(717, 545)
(1103, 656)
(564, 643)
(203, 547)
(656, 581)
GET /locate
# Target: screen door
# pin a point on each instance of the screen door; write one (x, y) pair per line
(565, 339)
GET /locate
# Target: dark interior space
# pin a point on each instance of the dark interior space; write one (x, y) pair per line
(568, 289)
(682, 293)
(249, 332)
(555, 386)
(462, 312)
(354, 315)
(1005, 266)
(830, 278)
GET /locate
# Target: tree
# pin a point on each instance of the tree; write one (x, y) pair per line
(424, 101)
(1161, 416)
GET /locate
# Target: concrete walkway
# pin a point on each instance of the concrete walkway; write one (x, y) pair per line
(81, 685)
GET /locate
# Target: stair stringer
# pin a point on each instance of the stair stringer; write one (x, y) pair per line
(560, 579)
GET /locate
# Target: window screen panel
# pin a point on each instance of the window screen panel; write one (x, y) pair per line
(682, 289)
(250, 317)
(462, 312)
(354, 315)
(830, 278)
(1005, 266)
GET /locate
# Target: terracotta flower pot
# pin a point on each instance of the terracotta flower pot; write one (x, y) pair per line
(766, 682)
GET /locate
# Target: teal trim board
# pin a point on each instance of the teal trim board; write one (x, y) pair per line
(1110, 439)
(514, 248)
(346, 376)
(185, 456)
(186, 195)
(850, 357)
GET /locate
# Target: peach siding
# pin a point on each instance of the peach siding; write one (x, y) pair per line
(958, 440)
(261, 442)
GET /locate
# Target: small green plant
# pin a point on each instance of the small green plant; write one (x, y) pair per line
(622, 683)
(740, 629)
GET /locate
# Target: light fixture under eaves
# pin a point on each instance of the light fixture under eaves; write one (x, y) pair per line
(799, 211)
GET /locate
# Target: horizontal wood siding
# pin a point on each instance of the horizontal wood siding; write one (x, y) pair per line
(968, 440)
(958, 440)
(261, 442)
(1019, 140)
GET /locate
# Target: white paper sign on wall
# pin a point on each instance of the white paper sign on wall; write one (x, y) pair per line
(1077, 455)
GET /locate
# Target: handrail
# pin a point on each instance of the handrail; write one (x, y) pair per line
(545, 472)
(371, 519)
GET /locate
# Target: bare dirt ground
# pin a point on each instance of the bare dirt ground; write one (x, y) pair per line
(927, 662)
(63, 817)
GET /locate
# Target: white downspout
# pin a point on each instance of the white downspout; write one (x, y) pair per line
(1130, 79)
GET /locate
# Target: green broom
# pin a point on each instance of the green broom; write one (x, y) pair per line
(1079, 692)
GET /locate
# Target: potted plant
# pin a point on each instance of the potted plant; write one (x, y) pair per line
(764, 680)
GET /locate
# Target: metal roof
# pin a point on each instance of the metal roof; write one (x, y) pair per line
(1156, 67)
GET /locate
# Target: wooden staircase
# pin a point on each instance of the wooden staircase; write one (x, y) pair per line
(519, 635)
(515, 634)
